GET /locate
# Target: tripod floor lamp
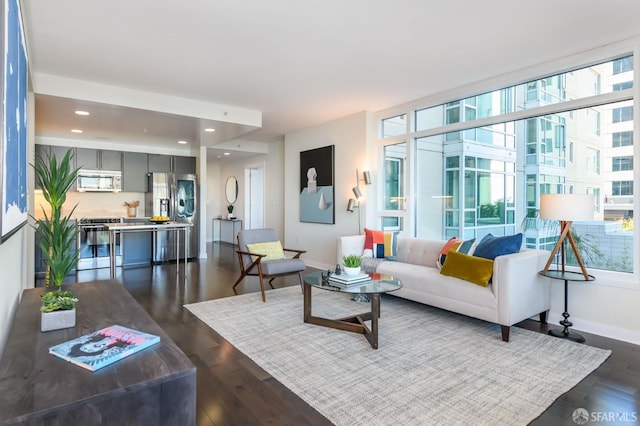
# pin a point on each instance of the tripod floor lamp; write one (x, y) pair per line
(566, 208)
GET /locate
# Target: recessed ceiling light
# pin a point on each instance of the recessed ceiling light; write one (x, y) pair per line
(81, 112)
(209, 129)
(76, 131)
(227, 153)
(183, 142)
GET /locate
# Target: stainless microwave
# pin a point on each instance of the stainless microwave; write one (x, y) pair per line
(99, 180)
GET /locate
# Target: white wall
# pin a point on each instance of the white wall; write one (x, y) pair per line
(219, 171)
(13, 263)
(351, 137)
(16, 254)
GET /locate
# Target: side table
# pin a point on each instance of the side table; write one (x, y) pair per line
(566, 276)
(230, 223)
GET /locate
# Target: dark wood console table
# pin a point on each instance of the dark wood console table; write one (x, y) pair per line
(156, 386)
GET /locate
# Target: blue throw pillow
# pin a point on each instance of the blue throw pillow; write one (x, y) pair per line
(491, 247)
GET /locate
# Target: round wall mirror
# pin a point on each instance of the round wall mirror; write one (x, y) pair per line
(231, 189)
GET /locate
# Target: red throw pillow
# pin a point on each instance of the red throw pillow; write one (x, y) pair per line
(372, 236)
(380, 244)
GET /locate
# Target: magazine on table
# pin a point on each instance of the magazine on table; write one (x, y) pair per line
(103, 347)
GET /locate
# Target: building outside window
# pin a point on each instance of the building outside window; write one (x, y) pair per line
(622, 139)
(477, 180)
(622, 187)
(622, 163)
(622, 114)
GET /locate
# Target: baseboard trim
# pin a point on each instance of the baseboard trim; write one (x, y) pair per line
(604, 330)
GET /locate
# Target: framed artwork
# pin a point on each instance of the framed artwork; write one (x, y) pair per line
(317, 202)
(13, 152)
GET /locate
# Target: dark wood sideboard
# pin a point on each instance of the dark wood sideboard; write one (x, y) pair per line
(156, 386)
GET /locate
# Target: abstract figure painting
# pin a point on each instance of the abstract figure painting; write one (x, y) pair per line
(14, 123)
(316, 185)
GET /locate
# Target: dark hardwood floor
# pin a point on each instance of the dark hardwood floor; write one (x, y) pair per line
(233, 390)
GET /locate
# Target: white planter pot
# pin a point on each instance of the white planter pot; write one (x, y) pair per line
(57, 320)
(352, 271)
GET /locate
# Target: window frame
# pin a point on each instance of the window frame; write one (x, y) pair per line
(585, 59)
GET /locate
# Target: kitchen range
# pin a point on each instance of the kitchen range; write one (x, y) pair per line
(93, 243)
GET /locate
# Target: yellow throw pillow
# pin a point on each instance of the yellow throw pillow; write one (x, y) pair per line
(273, 250)
(477, 270)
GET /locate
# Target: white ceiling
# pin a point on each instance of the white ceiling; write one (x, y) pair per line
(300, 63)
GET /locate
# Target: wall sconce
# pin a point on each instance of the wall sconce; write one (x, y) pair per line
(367, 177)
(352, 205)
(357, 192)
(355, 203)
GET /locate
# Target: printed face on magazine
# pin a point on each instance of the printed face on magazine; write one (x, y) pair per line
(93, 347)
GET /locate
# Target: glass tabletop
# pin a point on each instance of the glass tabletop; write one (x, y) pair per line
(380, 283)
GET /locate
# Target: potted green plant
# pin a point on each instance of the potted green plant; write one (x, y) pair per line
(57, 234)
(230, 210)
(352, 264)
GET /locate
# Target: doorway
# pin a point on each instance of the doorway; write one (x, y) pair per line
(254, 201)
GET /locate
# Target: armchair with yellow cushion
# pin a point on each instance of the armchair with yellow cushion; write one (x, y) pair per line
(261, 254)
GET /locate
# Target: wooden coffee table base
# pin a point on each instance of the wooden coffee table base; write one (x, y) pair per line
(355, 324)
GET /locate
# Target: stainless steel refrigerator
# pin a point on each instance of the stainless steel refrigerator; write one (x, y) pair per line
(174, 196)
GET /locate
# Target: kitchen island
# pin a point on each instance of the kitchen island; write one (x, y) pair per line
(118, 228)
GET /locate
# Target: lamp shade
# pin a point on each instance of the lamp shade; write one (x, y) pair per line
(367, 177)
(567, 207)
(357, 192)
(351, 205)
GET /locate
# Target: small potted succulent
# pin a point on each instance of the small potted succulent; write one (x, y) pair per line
(230, 210)
(57, 237)
(352, 264)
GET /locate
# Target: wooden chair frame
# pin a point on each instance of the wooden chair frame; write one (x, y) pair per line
(250, 270)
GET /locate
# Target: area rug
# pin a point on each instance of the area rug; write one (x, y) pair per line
(432, 366)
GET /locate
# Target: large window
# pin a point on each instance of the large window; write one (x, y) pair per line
(622, 139)
(622, 114)
(469, 180)
(623, 65)
(622, 187)
(622, 163)
(394, 183)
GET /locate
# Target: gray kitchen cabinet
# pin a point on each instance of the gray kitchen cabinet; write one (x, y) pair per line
(98, 159)
(136, 246)
(110, 160)
(87, 158)
(184, 165)
(134, 172)
(159, 163)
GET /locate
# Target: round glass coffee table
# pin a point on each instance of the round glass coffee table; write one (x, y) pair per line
(379, 284)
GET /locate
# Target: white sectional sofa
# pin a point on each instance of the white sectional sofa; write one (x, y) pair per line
(516, 291)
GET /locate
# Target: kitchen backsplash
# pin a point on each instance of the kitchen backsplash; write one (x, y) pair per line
(94, 204)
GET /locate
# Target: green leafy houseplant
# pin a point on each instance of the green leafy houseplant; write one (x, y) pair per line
(230, 208)
(351, 261)
(58, 300)
(57, 232)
